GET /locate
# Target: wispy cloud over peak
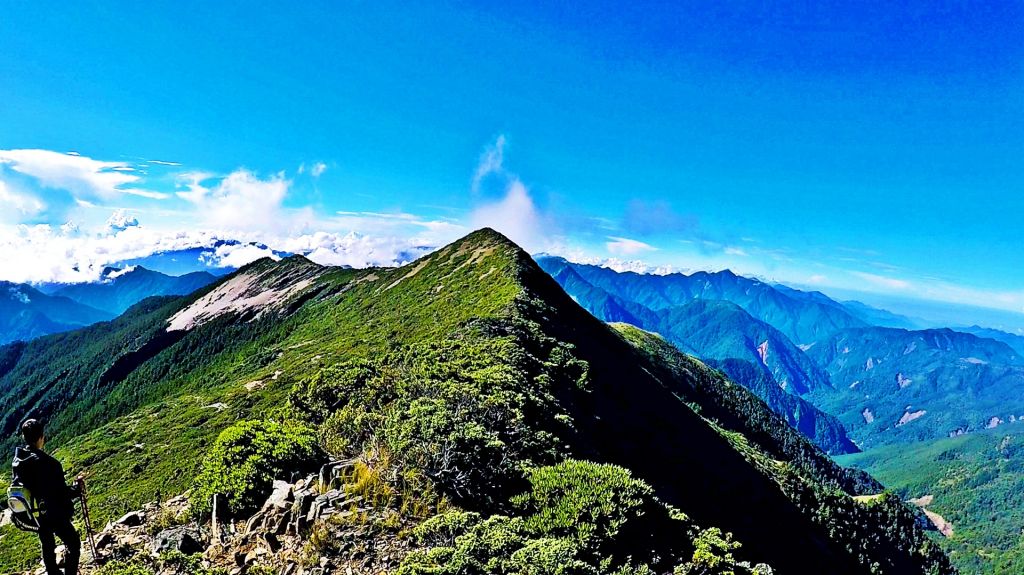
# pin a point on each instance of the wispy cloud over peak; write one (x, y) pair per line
(627, 246)
(492, 161)
(883, 281)
(243, 201)
(514, 212)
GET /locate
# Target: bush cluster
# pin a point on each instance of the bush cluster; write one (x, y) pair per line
(247, 457)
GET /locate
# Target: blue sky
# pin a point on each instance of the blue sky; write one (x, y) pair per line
(847, 146)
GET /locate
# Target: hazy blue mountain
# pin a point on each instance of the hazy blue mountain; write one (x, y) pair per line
(804, 319)
(896, 385)
(121, 289)
(720, 330)
(880, 317)
(751, 352)
(27, 313)
(1010, 339)
(884, 384)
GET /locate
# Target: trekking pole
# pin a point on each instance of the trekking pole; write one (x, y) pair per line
(88, 526)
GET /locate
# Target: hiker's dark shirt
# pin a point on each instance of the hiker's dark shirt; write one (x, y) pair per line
(44, 477)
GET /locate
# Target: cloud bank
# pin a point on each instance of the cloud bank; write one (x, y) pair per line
(64, 217)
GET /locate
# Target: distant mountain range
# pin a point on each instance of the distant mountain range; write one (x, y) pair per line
(896, 385)
(885, 383)
(121, 289)
(804, 318)
(749, 350)
(27, 312)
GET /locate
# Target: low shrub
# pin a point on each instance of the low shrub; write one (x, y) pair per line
(247, 457)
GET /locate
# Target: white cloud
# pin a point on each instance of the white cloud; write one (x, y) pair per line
(17, 206)
(514, 215)
(192, 182)
(635, 266)
(121, 220)
(491, 162)
(627, 247)
(66, 254)
(356, 250)
(123, 271)
(79, 175)
(883, 281)
(318, 169)
(243, 201)
(514, 212)
(18, 295)
(379, 223)
(236, 255)
(735, 251)
(163, 163)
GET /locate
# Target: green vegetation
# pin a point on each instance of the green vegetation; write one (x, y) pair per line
(124, 568)
(733, 407)
(245, 460)
(972, 481)
(472, 396)
(173, 563)
(578, 517)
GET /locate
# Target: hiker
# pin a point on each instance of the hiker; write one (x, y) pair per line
(44, 477)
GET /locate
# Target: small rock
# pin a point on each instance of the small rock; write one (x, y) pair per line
(255, 523)
(131, 519)
(279, 525)
(272, 542)
(183, 539)
(103, 540)
(281, 497)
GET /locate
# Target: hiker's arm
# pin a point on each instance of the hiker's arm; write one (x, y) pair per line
(76, 487)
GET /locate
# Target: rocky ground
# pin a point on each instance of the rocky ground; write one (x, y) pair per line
(310, 527)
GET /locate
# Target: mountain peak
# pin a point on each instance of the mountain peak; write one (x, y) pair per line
(485, 242)
(491, 237)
